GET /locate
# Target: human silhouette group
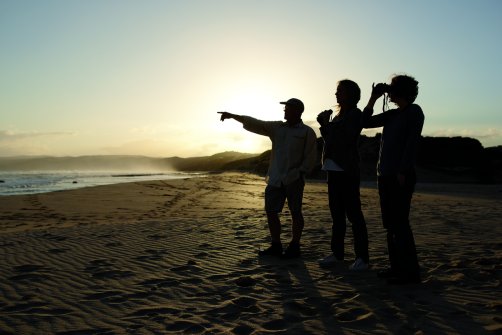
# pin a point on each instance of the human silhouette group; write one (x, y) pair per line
(294, 155)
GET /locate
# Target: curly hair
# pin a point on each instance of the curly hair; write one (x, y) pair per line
(405, 87)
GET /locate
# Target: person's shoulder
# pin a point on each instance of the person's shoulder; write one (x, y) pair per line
(417, 110)
(301, 124)
(355, 113)
(309, 129)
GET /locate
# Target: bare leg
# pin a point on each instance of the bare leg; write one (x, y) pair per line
(274, 225)
(298, 223)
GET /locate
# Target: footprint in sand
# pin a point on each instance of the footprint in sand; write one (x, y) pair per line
(53, 237)
(112, 274)
(114, 244)
(243, 330)
(58, 250)
(278, 324)
(245, 281)
(187, 327)
(245, 302)
(150, 257)
(151, 312)
(202, 254)
(302, 308)
(31, 272)
(157, 236)
(103, 269)
(353, 314)
(36, 309)
(191, 266)
(23, 307)
(155, 283)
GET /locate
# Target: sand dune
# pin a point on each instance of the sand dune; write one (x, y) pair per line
(165, 257)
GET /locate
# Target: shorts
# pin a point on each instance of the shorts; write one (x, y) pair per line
(275, 197)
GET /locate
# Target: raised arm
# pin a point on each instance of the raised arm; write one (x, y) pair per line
(368, 120)
(265, 128)
(227, 115)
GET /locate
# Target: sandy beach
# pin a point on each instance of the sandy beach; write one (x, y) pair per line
(180, 256)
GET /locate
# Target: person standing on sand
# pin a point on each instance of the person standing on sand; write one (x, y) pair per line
(294, 154)
(402, 128)
(341, 162)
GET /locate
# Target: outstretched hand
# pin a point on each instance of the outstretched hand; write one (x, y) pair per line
(225, 115)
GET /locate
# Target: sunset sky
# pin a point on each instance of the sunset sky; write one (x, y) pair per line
(148, 77)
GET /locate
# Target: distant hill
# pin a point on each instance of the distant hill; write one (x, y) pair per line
(120, 163)
(79, 163)
(215, 162)
(440, 159)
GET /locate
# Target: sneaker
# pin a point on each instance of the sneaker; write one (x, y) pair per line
(273, 250)
(359, 265)
(329, 260)
(292, 251)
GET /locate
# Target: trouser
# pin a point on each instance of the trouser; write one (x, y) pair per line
(395, 202)
(345, 202)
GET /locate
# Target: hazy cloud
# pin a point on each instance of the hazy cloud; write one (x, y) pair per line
(14, 143)
(490, 133)
(8, 135)
(146, 147)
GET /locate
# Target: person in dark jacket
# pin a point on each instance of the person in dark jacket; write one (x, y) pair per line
(341, 162)
(401, 133)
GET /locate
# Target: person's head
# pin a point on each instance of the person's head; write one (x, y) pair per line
(293, 109)
(347, 94)
(403, 87)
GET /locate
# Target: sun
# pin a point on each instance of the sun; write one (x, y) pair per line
(256, 102)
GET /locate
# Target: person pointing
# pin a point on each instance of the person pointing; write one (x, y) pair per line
(293, 155)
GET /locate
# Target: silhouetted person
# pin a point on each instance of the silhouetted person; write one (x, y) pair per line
(341, 162)
(396, 172)
(294, 152)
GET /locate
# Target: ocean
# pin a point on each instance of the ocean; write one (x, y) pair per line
(15, 183)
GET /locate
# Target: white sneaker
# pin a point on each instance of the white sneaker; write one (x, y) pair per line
(329, 260)
(359, 265)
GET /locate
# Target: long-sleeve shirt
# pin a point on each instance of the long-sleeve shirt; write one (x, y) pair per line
(341, 138)
(400, 137)
(294, 149)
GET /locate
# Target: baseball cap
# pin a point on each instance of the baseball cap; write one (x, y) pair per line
(296, 103)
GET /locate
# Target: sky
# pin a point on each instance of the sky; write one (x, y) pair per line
(148, 77)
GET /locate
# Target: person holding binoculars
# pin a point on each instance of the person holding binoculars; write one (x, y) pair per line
(402, 128)
(341, 162)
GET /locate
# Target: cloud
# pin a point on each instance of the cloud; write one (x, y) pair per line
(147, 147)
(14, 143)
(487, 136)
(480, 134)
(11, 136)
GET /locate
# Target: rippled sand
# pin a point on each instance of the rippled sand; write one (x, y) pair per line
(180, 256)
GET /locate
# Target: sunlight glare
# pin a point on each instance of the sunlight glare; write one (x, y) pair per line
(255, 102)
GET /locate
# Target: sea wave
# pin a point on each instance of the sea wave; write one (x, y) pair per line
(15, 183)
